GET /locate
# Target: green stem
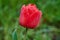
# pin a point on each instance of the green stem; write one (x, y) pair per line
(26, 34)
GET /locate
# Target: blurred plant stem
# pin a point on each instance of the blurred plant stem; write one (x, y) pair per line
(25, 38)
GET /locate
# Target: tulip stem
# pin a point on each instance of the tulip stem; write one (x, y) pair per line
(26, 34)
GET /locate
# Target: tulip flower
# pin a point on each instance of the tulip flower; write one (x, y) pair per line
(30, 16)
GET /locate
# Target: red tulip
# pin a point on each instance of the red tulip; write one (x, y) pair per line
(30, 16)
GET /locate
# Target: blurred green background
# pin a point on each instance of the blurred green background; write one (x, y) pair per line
(49, 28)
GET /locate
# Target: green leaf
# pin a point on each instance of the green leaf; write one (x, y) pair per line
(14, 35)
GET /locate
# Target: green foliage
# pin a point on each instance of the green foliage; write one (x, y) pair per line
(14, 35)
(9, 20)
